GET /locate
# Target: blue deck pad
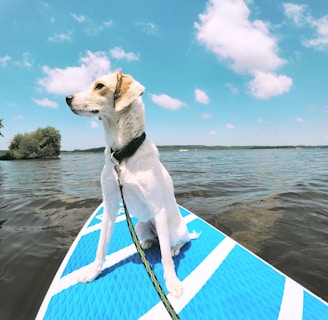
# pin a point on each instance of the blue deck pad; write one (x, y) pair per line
(85, 251)
(242, 288)
(96, 219)
(183, 211)
(235, 285)
(315, 309)
(128, 280)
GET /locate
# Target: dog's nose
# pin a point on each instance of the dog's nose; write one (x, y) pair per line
(69, 100)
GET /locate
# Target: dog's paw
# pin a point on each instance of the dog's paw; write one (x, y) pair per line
(174, 286)
(175, 250)
(90, 273)
(146, 244)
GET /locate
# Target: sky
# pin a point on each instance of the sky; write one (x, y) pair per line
(217, 72)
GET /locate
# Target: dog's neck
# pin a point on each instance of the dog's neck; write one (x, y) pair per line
(125, 125)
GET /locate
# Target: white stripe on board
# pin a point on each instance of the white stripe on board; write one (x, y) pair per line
(292, 301)
(194, 281)
(112, 259)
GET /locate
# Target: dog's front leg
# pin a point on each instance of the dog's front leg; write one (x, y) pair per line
(111, 207)
(173, 284)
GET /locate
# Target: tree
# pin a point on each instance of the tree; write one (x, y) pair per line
(40, 144)
(1, 126)
(48, 142)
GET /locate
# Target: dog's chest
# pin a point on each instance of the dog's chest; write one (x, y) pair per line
(136, 204)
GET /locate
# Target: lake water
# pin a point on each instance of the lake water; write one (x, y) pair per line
(274, 202)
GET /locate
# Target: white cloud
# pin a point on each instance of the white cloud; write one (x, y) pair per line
(72, 79)
(107, 23)
(4, 60)
(320, 42)
(91, 28)
(79, 18)
(45, 102)
(62, 37)
(119, 53)
(26, 61)
(266, 85)
(299, 120)
(247, 46)
(226, 30)
(301, 16)
(295, 12)
(201, 96)
(94, 124)
(230, 126)
(167, 102)
(43, 6)
(149, 28)
(211, 133)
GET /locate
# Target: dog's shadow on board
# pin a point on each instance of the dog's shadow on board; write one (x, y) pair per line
(154, 258)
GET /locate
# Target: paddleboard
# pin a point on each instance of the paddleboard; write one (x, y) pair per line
(221, 280)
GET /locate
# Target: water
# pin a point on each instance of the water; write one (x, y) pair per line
(274, 202)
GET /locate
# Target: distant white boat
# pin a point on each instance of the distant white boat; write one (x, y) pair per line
(183, 150)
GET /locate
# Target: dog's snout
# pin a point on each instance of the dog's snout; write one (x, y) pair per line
(69, 100)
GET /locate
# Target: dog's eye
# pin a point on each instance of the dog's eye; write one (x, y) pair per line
(99, 86)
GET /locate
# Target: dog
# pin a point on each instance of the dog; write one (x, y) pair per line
(147, 186)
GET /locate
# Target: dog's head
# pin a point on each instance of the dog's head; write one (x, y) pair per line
(108, 94)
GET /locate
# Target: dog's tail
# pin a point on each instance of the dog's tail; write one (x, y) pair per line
(194, 235)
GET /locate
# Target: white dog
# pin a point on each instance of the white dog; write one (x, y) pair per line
(147, 186)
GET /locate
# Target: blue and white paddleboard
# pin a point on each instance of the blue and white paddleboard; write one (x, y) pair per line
(221, 280)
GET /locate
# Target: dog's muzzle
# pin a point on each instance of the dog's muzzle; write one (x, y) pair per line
(69, 100)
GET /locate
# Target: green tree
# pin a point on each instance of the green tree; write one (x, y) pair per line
(48, 142)
(28, 148)
(15, 145)
(40, 144)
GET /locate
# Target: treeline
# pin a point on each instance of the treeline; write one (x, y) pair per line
(203, 147)
(44, 143)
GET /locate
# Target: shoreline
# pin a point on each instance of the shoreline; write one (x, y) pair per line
(4, 156)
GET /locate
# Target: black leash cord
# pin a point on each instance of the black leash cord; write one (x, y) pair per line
(146, 264)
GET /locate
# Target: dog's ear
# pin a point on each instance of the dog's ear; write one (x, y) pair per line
(127, 90)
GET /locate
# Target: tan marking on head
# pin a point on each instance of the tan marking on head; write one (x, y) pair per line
(100, 88)
(126, 83)
(127, 90)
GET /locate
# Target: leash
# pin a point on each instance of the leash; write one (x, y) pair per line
(135, 239)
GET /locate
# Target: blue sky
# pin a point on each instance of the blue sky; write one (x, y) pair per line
(220, 72)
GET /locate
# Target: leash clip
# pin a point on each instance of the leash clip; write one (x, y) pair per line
(114, 160)
(116, 163)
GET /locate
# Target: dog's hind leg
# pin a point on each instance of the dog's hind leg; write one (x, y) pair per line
(146, 233)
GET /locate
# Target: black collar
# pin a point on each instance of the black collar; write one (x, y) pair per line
(129, 150)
